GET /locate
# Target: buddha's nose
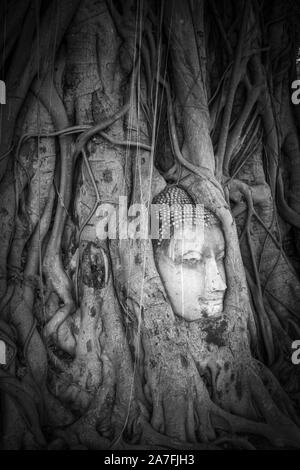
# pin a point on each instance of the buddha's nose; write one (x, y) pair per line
(214, 279)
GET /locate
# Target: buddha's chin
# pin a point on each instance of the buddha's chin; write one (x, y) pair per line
(211, 309)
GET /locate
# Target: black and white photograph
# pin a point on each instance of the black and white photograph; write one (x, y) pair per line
(150, 228)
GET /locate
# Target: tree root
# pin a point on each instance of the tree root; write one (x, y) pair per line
(278, 430)
(56, 277)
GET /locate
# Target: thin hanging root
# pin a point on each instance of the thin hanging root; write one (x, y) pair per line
(79, 130)
(57, 279)
(88, 134)
(98, 199)
(200, 171)
(97, 202)
(237, 69)
(263, 319)
(255, 287)
(39, 184)
(5, 154)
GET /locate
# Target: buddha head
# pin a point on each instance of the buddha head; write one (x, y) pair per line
(189, 255)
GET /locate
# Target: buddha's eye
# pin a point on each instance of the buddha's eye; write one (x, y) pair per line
(191, 261)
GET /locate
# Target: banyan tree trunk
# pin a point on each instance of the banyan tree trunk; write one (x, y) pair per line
(111, 102)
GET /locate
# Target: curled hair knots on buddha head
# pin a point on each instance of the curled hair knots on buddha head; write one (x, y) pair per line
(175, 208)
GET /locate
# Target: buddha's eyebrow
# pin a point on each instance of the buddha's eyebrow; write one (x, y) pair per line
(179, 257)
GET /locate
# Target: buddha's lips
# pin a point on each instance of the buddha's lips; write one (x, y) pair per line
(215, 300)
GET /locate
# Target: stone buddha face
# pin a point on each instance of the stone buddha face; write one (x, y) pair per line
(191, 261)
